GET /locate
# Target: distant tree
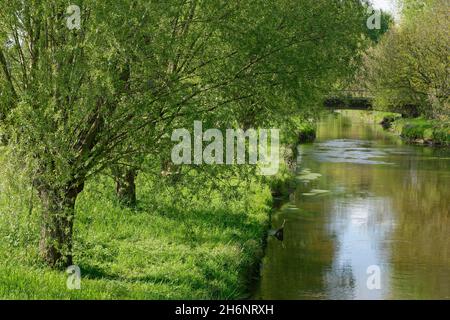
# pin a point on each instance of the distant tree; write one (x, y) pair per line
(386, 22)
(408, 70)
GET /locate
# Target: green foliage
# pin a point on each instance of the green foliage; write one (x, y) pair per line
(388, 120)
(387, 22)
(421, 130)
(415, 130)
(75, 103)
(441, 135)
(307, 133)
(178, 243)
(134, 71)
(408, 70)
(282, 183)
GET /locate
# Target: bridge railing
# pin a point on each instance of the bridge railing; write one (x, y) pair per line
(349, 99)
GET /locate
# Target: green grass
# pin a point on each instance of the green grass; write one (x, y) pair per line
(422, 130)
(178, 243)
(412, 130)
(306, 133)
(416, 129)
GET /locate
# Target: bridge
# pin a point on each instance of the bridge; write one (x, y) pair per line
(349, 99)
(363, 100)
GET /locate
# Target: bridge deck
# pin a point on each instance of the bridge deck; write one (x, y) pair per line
(353, 103)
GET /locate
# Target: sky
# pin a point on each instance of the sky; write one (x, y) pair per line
(387, 5)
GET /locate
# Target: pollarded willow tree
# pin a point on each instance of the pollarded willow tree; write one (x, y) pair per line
(75, 101)
(275, 63)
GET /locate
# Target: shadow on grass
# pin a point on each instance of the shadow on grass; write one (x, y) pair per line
(96, 273)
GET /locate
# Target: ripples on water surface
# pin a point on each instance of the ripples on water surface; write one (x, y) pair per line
(370, 200)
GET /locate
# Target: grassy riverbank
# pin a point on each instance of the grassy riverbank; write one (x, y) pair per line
(411, 130)
(422, 131)
(178, 244)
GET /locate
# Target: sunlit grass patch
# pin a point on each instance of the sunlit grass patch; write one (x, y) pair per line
(167, 248)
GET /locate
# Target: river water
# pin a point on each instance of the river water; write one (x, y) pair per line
(369, 219)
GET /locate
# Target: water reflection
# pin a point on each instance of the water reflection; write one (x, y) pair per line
(386, 204)
(344, 150)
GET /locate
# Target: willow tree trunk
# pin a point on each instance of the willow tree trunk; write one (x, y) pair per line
(58, 212)
(126, 185)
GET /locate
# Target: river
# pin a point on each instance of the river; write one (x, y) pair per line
(369, 219)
